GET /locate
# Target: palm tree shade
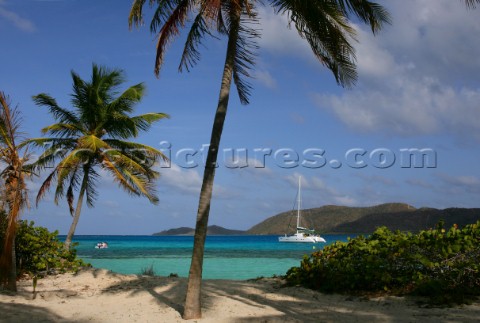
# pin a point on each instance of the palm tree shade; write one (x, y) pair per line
(325, 25)
(92, 137)
(14, 190)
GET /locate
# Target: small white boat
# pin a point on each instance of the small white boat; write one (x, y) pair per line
(302, 234)
(101, 245)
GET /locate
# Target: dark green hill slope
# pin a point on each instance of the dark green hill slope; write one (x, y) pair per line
(342, 219)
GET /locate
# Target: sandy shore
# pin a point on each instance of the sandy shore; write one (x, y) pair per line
(102, 296)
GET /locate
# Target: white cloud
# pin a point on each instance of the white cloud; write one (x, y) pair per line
(18, 21)
(278, 37)
(419, 77)
(419, 183)
(327, 193)
(188, 181)
(184, 180)
(461, 184)
(264, 77)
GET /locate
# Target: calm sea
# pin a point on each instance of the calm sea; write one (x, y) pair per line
(226, 257)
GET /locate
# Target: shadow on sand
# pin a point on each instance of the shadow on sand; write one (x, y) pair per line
(12, 312)
(288, 304)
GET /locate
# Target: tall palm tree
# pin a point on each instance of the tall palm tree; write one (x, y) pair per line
(91, 137)
(14, 191)
(324, 24)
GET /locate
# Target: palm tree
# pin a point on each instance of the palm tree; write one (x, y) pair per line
(324, 24)
(92, 136)
(14, 192)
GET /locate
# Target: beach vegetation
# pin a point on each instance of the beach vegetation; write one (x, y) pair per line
(441, 264)
(147, 271)
(325, 25)
(91, 137)
(13, 192)
(39, 252)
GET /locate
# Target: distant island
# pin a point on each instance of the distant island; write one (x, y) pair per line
(213, 230)
(332, 219)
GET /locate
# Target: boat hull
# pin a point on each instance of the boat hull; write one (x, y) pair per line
(302, 238)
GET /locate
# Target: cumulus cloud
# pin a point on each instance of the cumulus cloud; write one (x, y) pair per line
(329, 195)
(14, 18)
(419, 77)
(461, 184)
(419, 183)
(188, 181)
(277, 36)
(184, 180)
(265, 78)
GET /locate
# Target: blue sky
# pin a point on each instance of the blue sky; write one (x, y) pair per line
(418, 88)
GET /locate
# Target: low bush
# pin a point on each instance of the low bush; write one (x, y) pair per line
(441, 264)
(40, 252)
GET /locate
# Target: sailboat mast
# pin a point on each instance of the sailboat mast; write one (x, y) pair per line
(299, 200)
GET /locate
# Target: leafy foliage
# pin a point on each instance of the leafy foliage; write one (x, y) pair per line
(92, 136)
(442, 264)
(40, 252)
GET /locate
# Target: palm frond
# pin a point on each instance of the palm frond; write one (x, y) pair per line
(119, 177)
(71, 187)
(91, 192)
(175, 18)
(135, 18)
(243, 35)
(68, 170)
(60, 114)
(328, 32)
(62, 130)
(128, 147)
(125, 102)
(197, 32)
(45, 187)
(368, 12)
(144, 122)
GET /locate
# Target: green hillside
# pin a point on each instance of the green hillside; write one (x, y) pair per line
(343, 219)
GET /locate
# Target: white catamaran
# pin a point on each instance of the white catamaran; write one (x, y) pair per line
(302, 234)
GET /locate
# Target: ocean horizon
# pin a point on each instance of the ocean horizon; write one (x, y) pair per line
(226, 257)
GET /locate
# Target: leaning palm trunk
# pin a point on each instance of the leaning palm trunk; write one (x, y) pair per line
(192, 309)
(9, 267)
(78, 210)
(12, 277)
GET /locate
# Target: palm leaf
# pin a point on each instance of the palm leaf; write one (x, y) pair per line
(170, 27)
(60, 114)
(191, 55)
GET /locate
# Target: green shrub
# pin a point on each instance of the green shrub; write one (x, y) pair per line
(441, 264)
(40, 252)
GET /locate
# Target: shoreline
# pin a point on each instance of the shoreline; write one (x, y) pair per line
(98, 295)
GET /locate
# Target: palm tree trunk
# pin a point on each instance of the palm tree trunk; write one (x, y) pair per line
(8, 266)
(12, 277)
(78, 210)
(192, 308)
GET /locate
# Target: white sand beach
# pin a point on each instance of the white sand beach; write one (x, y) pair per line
(101, 296)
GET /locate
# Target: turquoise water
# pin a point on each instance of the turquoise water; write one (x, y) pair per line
(226, 257)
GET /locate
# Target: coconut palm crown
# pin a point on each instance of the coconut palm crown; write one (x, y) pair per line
(92, 137)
